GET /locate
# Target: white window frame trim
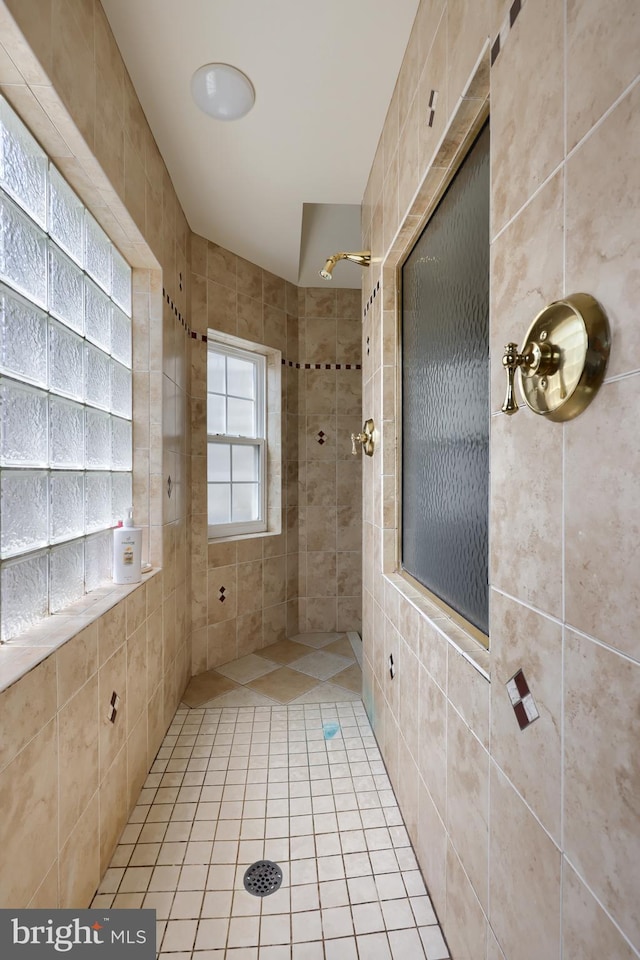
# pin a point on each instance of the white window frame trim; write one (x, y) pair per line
(248, 527)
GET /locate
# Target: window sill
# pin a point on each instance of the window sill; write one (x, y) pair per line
(19, 656)
(231, 538)
(466, 645)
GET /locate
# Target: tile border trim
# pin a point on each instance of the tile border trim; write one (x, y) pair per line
(369, 303)
(203, 338)
(507, 25)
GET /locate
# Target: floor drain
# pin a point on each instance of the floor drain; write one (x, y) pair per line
(262, 878)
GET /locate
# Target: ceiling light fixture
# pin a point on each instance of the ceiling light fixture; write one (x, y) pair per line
(222, 91)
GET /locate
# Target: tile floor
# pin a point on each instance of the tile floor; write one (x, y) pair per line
(308, 668)
(302, 784)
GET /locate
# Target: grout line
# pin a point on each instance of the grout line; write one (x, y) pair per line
(569, 626)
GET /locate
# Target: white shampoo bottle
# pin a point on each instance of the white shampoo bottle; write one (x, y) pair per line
(127, 552)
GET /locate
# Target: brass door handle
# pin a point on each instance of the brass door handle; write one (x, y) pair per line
(365, 438)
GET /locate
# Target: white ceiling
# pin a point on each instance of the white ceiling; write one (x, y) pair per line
(323, 72)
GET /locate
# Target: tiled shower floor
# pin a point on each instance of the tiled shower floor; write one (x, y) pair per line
(308, 668)
(236, 784)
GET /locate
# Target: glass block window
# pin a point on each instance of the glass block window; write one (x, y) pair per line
(236, 448)
(65, 388)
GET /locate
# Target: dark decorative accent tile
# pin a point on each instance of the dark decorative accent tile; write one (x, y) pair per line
(516, 7)
(522, 701)
(495, 50)
(521, 716)
(222, 597)
(521, 683)
(321, 437)
(431, 118)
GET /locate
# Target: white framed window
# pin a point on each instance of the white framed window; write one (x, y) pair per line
(65, 388)
(236, 440)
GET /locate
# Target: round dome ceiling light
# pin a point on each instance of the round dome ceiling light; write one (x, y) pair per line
(222, 91)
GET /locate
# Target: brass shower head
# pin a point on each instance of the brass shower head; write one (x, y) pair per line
(362, 258)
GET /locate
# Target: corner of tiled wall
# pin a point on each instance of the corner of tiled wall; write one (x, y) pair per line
(258, 604)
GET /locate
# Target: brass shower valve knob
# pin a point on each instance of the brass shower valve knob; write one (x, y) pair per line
(365, 438)
(563, 359)
(541, 358)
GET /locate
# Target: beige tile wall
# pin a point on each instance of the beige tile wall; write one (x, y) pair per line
(330, 478)
(529, 841)
(259, 574)
(68, 779)
(308, 577)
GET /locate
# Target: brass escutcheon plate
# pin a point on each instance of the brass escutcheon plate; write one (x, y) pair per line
(577, 330)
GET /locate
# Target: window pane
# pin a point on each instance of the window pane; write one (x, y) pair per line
(66, 289)
(24, 594)
(445, 399)
(23, 169)
(121, 337)
(97, 561)
(23, 426)
(66, 361)
(23, 253)
(215, 414)
(120, 390)
(245, 501)
(97, 440)
(97, 377)
(66, 433)
(121, 495)
(23, 339)
(97, 253)
(241, 378)
(98, 501)
(66, 216)
(241, 417)
(97, 316)
(121, 281)
(216, 379)
(219, 463)
(219, 502)
(67, 505)
(67, 575)
(120, 444)
(245, 463)
(24, 498)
